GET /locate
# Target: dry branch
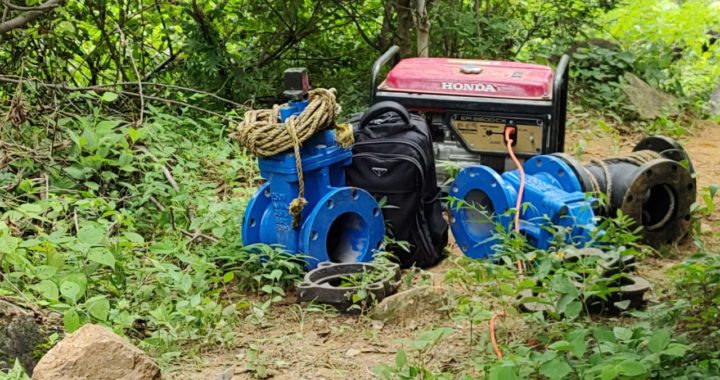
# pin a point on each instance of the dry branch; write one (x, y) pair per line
(29, 16)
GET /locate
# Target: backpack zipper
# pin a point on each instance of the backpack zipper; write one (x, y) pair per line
(412, 160)
(399, 141)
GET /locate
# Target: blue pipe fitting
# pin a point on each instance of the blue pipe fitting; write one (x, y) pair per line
(338, 224)
(552, 197)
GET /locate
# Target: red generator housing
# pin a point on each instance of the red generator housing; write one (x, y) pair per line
(469, 103)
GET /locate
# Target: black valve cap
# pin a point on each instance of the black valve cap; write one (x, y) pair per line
(297, 83)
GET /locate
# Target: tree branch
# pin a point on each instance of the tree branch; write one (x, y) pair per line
(28, 17)
(4, 78)
(43, 7)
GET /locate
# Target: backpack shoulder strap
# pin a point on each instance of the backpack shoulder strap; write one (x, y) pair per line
(383, 107)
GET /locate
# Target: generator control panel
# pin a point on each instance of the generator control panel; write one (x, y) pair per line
(482, 134)
(469, 103)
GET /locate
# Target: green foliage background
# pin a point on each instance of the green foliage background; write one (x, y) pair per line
(124, 210)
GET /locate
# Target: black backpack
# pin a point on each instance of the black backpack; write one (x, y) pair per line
(393, 159)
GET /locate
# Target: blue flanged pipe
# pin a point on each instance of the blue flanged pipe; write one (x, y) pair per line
(339, 223)
(553, 197)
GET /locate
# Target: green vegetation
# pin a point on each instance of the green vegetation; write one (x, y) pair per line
(122, 192)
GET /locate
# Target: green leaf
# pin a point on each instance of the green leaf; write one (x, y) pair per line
(602, 334)
(70, 290)
(65, 26)
(276, 274)
(504, 371)
(229, 276)
(98, 307)
(632, 368)
(135, 238)
(135, 134)
(573, 309)
(71, 320)
(48, 290)
(102, 256)
(400, 359)
(91, 235)
(109, 96)
(622, 333)
(45, 272)
(561, 345)
(267, 289)
(659, 340)
(676, 350)
(557, 368)
(577, 340)
(563, 302)
(609, 372)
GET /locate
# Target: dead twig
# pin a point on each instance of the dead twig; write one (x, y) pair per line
(157, 204)
(198, 235)
(170, 178)
(137, 76)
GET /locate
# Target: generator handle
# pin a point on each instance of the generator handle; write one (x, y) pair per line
(560, 89)
(379, 63)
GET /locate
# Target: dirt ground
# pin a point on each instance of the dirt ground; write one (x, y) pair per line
(300, 344)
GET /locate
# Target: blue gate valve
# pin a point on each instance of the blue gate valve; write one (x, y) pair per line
(339, 223)
(552, 197)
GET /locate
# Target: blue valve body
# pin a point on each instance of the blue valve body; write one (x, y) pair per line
(339, 223)
(552, 198)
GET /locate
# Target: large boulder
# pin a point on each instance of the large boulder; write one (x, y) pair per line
(649, 102)
(94, 352)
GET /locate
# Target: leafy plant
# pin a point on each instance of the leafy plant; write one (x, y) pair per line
(415, 368)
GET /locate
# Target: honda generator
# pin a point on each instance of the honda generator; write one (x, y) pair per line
(470, 103)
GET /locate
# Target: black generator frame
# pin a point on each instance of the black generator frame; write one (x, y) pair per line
(553, 110)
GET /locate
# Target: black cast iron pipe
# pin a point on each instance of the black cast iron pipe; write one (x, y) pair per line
(654, 185)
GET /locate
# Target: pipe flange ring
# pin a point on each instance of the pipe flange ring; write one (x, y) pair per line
(345, 226)
(255, 223)
(557, 168)
(330, 283)
(475, 188)
(659, 199)
(667, 147)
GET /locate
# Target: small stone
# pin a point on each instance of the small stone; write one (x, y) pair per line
(352, 352)
(377, 325)
(327, 373)
(706, 229)
(94, 352)
(410, 304)
(226, 374)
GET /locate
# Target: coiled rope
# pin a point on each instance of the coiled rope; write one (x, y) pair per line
(264, 135)
(638, 158)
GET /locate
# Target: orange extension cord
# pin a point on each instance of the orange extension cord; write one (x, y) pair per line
(521, 189)
(518, 204)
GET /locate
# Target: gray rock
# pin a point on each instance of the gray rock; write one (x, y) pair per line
(411, 304)
(649, 102)
(20, 336)
(714, 102)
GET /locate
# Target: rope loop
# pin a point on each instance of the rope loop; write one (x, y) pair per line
(262, 133)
